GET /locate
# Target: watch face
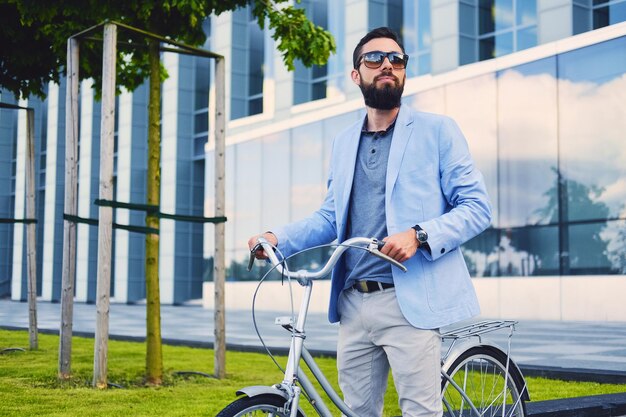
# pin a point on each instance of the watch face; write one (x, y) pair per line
(422, 236)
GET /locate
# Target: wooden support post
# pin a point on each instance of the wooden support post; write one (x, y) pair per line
(69, 227)
(219, 262)
(105, 213)
(31, 239)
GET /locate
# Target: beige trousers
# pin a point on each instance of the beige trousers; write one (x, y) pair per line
(374, 335)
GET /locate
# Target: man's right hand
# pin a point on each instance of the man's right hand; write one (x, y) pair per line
(260, 253)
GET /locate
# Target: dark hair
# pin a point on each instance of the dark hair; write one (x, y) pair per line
(381, 32)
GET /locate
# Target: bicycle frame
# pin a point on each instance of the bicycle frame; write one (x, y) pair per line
(294, 375)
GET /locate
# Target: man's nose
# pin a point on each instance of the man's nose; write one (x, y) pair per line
(386, 63)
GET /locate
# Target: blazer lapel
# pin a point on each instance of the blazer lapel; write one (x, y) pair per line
(345, 175)
(401, 134)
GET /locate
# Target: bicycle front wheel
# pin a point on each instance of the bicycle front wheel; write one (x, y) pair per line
(481, 373)
(260, 405)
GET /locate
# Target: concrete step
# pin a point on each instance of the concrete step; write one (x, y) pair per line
(608, 405)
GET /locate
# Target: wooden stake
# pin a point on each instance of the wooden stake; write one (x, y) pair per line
(69, 227)
(105, 213)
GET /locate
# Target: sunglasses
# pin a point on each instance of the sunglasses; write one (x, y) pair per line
(375, 59)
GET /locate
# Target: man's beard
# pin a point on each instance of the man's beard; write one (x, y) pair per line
(385, 98)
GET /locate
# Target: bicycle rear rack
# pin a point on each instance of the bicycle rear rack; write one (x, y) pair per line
(478, 328)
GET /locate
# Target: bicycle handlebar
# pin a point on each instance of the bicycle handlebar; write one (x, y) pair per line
(372, 245)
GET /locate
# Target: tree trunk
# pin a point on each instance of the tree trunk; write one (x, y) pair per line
(154, 357)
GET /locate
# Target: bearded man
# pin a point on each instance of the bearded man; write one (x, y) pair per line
(407, 178)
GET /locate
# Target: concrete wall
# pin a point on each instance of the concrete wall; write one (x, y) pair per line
(588, 298)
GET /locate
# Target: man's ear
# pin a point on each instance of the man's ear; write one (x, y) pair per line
(356, 77)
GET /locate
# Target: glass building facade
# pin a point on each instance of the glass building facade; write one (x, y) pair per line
(547, 135)
(541, 105)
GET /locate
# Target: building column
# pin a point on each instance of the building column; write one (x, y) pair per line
(84, 232)
(169, 155)
(554, 20)
(18, 279)
(355, 28)
(445, 35)
(123, 193)
(53, 201)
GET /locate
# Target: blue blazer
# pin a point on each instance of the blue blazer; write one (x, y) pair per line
(431, 181)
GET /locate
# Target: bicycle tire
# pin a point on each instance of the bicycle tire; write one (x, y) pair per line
(480, 371)
(257, 406)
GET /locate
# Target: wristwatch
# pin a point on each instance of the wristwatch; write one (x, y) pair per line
(422, 236)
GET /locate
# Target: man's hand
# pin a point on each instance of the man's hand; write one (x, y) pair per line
(401, 246)
(260, 253)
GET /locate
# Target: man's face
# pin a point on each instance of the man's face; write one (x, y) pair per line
(382, 87)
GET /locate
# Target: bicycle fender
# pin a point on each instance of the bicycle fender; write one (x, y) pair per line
(254, 390)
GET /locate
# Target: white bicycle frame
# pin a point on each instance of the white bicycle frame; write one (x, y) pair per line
(293, 375)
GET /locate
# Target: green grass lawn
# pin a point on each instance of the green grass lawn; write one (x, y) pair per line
(29, 387)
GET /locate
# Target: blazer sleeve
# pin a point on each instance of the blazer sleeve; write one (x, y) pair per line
(468, 210)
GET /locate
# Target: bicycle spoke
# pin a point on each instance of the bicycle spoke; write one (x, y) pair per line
(485, 382)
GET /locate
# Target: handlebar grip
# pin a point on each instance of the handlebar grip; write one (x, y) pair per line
(251, 259)
(374, 249)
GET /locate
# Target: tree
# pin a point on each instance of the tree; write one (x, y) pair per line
(30, 27)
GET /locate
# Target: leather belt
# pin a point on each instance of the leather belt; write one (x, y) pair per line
(371, 286)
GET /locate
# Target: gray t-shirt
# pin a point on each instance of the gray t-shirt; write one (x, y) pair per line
(366, 216)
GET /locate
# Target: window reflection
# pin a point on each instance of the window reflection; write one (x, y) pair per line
(276, 177)
(592, 104)
(529, 251)
(308, 186)
(472, 104)
(550, 145)
(527, 138)
(247, 214)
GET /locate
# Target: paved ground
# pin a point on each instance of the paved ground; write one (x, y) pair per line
(594, 347)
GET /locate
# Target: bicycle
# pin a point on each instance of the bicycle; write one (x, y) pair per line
(477, 378)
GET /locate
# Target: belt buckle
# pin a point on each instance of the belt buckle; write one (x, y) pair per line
(361, 286)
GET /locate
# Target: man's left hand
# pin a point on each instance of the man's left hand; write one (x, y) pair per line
(401, 246)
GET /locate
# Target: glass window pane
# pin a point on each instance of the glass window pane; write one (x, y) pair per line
(600, 17)
(504, 14)
(255, 106)
(486, 17)
(202, 83)
(201, 122)
(529, 251)
(614, 234)
(504, 44)
(467, 50)
(526, 13)
(276, 180)
(592, 104)
(580, 19)
(318, 90)
(588, 249)
(247, 215)
(487, 48)
(526, 38)
(481, 254)
(432, 100)
(423, 64)
(617, 13)
(198, 145)
(467, 19)
(528, 148)
(309, 181)
(423, 25)
(478, 123)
